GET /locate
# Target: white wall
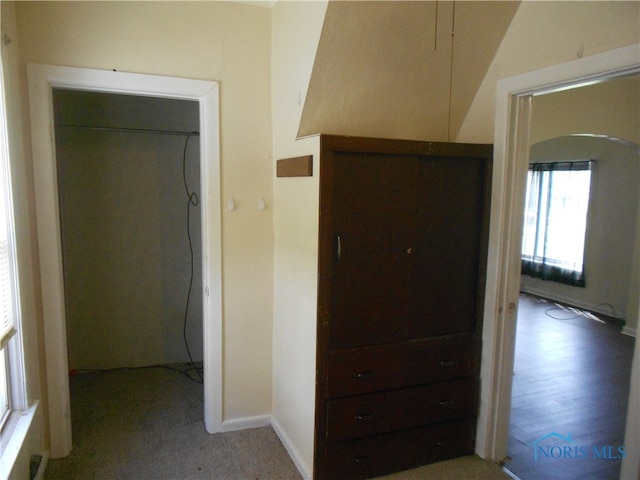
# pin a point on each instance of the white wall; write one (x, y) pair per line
(296, 30)
(611, 222)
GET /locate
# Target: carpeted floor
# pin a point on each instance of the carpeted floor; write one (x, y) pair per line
(146, 424)
(463, 468)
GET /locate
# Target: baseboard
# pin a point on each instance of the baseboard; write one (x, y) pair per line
(572, 301)
(246, 423)
(510, 473)
(632, 332)
(294, 453)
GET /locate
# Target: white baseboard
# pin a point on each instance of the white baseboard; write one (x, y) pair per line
(294, 453)
(571, 301)
(632, 332)
(260, 421)
(246, 423)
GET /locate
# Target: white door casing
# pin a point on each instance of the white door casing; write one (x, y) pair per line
(511, 153)
(42, 80)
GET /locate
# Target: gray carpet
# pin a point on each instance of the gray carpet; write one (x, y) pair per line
(471, 467)
(147, 424)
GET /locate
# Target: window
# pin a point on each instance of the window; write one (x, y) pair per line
(12, 385)
(555, 223)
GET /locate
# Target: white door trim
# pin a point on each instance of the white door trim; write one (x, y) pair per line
(503, 277)
(42, 79)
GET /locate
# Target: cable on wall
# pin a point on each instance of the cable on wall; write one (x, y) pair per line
(453, 34)
(435, 28)
(192, 201)
(127, 130)
(80, 371)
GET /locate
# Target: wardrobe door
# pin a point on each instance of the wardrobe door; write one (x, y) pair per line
(374, 235)
(402, 241)
(449, 214)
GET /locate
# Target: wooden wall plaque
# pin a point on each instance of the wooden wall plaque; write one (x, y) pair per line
(295, 167)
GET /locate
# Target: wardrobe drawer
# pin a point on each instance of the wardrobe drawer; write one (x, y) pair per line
(366, 370)
(372, 414)
(393, 452)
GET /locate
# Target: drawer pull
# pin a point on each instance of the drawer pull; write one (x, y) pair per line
(447, 363)
(361, 375)
(445, 403)
(442, 443)
(361, 459)
(364, 417)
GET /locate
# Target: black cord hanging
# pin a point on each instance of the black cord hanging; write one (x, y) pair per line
(192, 201)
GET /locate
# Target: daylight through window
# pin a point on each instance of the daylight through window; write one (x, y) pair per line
(12, 386)
(555, 221)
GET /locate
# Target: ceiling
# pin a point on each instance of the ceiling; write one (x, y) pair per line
(401, 69)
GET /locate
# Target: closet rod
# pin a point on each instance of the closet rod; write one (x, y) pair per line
(129, 130)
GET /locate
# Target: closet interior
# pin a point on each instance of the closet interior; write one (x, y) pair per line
(128, 186)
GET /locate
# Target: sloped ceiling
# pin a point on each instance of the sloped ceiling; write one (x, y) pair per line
(401, 69)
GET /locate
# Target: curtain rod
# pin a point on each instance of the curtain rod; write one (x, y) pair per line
(129, 130)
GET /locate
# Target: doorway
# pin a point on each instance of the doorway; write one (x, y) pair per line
(573, 358)
(129, 187)
(510, 164)
(43, 79)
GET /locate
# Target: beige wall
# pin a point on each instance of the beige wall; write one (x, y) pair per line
(610, 108)
(296, 31)
(226, 42)
(27, 249)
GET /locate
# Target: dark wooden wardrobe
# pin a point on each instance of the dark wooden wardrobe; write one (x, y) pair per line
(402, 260)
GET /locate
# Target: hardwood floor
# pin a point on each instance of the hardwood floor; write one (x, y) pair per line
(571, 378)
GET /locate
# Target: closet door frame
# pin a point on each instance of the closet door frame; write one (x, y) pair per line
(42, 80)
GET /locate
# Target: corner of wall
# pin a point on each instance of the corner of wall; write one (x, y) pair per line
(296, 29)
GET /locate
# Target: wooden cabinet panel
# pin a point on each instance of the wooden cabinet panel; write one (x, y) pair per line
(366, 415)
(370, 301)
(366, 370)
(448, 253)
(389, 453)
(373, 230)
(407, 235)
(402, 247)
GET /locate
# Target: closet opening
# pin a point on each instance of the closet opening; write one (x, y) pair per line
(129, 187)
(128, 171)
(43, 79)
